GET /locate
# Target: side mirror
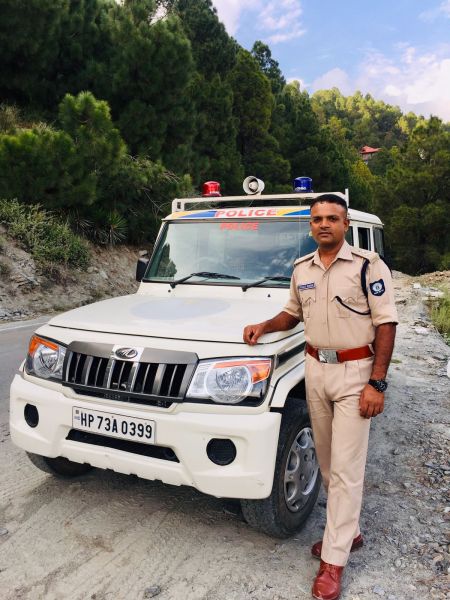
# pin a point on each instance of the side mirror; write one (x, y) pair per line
(141, 267)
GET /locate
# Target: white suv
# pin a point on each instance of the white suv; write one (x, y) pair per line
(160, 384)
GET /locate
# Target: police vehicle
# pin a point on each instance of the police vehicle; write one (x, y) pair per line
(160, 383)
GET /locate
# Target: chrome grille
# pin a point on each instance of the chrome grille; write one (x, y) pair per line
(93, 370)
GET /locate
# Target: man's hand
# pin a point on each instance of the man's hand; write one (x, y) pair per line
(371, 402)
(253, 332)
(282, 322)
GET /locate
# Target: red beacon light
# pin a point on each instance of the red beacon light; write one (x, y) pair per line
(211, 189)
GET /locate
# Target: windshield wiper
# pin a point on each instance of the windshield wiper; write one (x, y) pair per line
(207, 274)
(269, 278)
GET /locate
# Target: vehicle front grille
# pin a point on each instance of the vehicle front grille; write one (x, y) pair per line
(161, 452)
(93, 370)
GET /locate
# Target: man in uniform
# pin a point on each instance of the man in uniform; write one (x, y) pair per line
(344, 296)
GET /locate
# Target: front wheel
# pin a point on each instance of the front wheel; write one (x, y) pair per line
(59, 466)
(296, 480)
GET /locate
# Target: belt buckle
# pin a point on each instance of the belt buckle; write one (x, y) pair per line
(328, 356)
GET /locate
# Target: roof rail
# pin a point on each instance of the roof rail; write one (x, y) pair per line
(180, 204)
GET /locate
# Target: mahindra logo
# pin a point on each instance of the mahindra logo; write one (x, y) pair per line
(126, 353)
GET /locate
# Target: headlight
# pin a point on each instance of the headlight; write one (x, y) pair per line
(45, 358)
(230, 381)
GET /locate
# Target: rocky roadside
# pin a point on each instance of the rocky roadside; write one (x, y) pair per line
(27, 291)
(411, 478)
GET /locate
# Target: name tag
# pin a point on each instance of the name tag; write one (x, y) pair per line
(306, 286)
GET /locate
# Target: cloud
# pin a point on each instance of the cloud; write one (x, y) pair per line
(334, 78)
(278, 21)
(434, 13)
(229, 12)
(418, 82)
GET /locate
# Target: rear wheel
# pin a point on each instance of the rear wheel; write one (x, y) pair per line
(59, 466)
(296, 480)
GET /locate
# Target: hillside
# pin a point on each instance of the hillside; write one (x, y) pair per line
(26, 292)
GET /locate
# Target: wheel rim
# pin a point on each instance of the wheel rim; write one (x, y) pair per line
(301, 471)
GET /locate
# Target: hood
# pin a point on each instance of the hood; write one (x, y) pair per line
(205, 319)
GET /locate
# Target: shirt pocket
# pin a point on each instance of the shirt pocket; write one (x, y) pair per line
(354, 300)
(308, 299)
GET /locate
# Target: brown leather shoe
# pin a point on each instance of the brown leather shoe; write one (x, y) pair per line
(327, 584)
(358, 542)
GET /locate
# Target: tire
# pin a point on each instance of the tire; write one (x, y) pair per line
(59, 466)
(293, 493)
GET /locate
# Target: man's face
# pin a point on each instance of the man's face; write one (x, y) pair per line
(328, 223)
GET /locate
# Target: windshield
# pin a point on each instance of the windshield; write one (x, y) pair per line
(248, 250)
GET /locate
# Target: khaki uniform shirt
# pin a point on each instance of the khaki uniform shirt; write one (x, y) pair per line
(314, 291)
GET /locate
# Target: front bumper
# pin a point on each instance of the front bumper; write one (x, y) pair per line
(255, 436)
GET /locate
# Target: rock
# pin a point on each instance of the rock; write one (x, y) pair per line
(448, 368)
(416, 286)
(3, 531)
(90, 269)
(398, 562)
(378, 590)
(421, 330)
(103, 274)
(152, 591)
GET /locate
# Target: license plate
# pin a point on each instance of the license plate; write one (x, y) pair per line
(119, 426)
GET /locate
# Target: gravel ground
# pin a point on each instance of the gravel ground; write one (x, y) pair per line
(109, 536)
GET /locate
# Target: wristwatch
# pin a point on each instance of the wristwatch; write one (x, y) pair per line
(379, 384)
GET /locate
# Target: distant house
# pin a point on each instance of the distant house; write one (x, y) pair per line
(367, 152)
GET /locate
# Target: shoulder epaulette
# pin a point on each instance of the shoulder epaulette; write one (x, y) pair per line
(303, 258)
(367, 254)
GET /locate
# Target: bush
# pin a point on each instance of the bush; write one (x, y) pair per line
(49, 241)
(440, 314)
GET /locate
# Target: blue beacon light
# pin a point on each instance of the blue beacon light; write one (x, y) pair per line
(303, 185)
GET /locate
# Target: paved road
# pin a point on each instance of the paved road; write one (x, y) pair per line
(14, 338)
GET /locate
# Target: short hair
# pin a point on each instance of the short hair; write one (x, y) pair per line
(330, 198)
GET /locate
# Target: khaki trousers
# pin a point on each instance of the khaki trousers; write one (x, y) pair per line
(341, 438)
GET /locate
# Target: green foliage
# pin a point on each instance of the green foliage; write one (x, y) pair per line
(47, 239)
(41, 165)
(414, 198)
(140, 191)
(215, 153)
(97, 141)
(310, 149)
(30, 43)
(366, 121)
(9, 118)
(213, 50)
(253, 106)
(440, 315)
(148, 82)
(269, 66)
(189, 104)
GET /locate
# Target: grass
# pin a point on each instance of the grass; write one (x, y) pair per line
(440, 315)
(5, 269)
(50, 241)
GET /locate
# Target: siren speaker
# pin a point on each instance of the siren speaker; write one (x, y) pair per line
(253, 185)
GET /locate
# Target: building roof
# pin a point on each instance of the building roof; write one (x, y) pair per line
(368, 150)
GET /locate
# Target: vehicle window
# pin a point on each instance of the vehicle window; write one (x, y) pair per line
(249, 250)
(364, 238)
(378, 239)
(349, 235)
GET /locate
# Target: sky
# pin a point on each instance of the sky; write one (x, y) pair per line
(396, 50)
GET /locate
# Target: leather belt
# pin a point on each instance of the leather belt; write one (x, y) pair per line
(326, 355)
